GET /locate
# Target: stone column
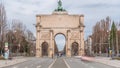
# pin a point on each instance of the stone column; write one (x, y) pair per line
(82, 34)
(82, 41)
(51, 44)
(38, 44)
(79, 43)
(68, 44)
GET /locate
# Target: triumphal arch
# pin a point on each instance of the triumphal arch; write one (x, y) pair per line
(59, 22)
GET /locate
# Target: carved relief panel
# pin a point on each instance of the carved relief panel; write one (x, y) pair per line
(45, 35)
(75, 35)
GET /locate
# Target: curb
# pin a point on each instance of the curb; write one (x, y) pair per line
(13, 63)
(106, 63)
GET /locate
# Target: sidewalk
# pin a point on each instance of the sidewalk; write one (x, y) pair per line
(103, 60)
(108, 61)
(15, 60)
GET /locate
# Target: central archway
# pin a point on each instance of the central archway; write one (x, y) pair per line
(60, 42)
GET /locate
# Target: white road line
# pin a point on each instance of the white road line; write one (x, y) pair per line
(39, 66)
(15, 67)
(66, 63)
(52, 63)
(91, 67)
(26, 67)
(70, 60)
(87, 65)
(31, 65)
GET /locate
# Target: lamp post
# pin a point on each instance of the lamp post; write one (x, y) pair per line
(112, 51)
(108, 44)
(109, 48)
(11, 41)
(117, 47)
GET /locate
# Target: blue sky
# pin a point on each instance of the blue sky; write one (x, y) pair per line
(60, 41)
(93, 10)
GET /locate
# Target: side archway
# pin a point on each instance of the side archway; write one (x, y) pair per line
(44, 49)
(74, 49)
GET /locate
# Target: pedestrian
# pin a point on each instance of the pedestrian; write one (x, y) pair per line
(52, 55)
(110, 53)
(57, 55)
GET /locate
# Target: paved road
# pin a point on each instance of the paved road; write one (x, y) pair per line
(34, 63)
(61, 62)
(77, 63)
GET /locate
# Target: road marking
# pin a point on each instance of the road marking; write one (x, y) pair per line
(91, 67)
(66, 63)
(52, 63)
(15, 67)
(87, 65)
(70, 60)
(26, 67)
(31, 65)
(39, 66)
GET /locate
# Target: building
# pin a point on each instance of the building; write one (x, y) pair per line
(88, 46)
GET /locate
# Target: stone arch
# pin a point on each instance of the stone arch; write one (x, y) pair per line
(44, 47)
(49, 25)
(60, 33)
(63, 33)
(74, 49)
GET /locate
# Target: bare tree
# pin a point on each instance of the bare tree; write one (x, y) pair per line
(30, 38)
(24, 37)
(18, 29)
(3, 25)
(100, 35)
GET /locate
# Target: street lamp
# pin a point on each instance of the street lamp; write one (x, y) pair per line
(108, 45)
(11, 41)
(109, 48)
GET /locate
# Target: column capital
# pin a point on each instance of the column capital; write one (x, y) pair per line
(81, 30)
(38, 25)
(38, 30)
(51, 30)
(68, 30)
(38, 49)
(68, 49)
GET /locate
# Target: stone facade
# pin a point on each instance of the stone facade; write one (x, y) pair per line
(59, 22)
